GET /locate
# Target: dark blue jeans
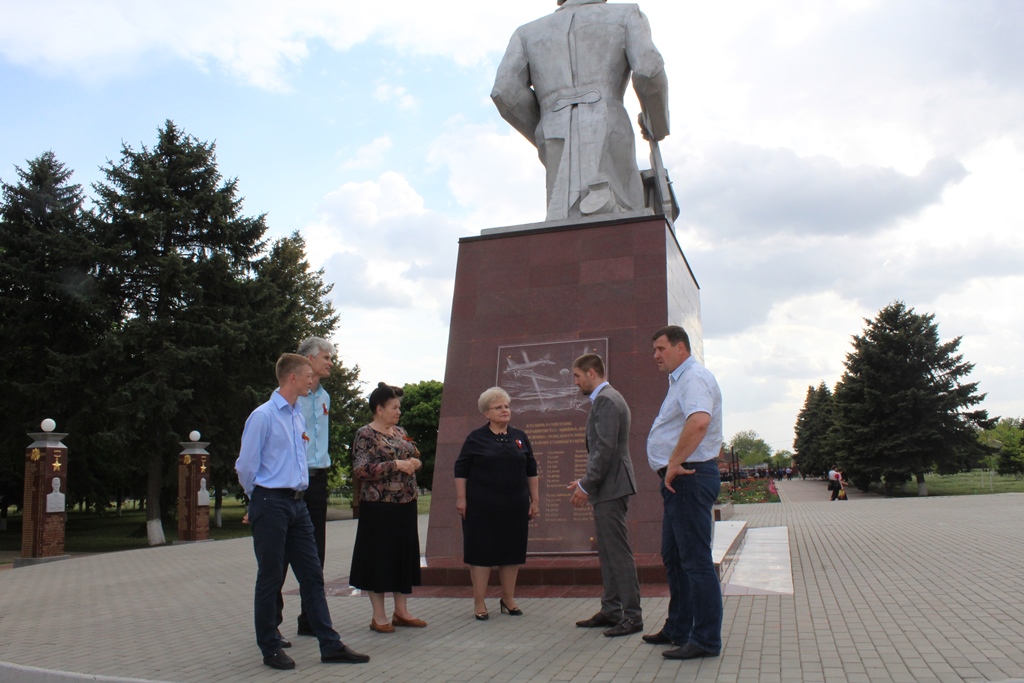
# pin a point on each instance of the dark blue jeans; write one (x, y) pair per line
(282, 535)
(695, 603)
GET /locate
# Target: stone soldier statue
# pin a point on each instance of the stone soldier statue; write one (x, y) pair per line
(561, 85)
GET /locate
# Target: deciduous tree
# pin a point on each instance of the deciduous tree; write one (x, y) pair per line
(421, 413)
(1006, 440)
(750, 448)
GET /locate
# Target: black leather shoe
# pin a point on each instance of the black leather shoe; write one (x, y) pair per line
(597, 621)
(305, 630)
(658, 638)
(688, 651)
(625, 628)
(285, 643)
(279, 660)
(345, 654)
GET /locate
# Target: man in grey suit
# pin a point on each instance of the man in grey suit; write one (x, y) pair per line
(607, 485)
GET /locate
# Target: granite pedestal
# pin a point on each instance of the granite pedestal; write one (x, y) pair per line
(527, 301)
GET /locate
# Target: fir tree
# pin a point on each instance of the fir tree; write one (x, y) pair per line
(902, 408)
(52, 314)
(814, 454)
(179, 254)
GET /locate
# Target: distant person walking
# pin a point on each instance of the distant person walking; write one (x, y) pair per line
(608, 484)
(835, 483)
(684, 442)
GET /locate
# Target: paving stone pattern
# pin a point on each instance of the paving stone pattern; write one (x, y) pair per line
(899, 590)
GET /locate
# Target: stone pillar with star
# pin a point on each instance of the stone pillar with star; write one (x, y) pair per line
(44, 515)
(193, 490)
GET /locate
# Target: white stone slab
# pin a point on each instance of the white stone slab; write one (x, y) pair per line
(763, 565)
(727, 535)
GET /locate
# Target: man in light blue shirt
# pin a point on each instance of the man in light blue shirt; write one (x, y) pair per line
(682, 448)
(272, 470)
(316, 409)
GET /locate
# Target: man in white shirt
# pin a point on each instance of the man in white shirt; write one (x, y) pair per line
(682, 448)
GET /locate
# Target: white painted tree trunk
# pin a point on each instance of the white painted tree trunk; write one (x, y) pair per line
(217, 521)
(155, 532)
(922, 487)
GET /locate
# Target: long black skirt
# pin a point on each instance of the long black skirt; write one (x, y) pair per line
(386, 556)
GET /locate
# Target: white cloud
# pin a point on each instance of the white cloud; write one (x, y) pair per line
(496, 173)
(733, 190)
(369, 156)
(392, 262)
(764, 371)
(257, 41)
(395, 93)
(373, 201)
(383, 248)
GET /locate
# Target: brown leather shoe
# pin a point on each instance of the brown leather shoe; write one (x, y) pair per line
(400, 621)
(381, 628)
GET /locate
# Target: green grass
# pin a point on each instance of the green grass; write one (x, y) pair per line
(92, 533)
(975, 482)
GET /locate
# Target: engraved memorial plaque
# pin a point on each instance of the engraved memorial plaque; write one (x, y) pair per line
(548, 406)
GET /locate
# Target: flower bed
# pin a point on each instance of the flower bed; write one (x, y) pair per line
(749, 491)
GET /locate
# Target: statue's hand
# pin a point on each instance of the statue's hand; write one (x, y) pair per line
(643, 129)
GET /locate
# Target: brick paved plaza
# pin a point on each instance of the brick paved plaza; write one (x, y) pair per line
(883, 590)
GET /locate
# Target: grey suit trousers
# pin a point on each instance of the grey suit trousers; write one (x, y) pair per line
(621, 599)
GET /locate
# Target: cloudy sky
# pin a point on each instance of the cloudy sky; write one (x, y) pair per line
(829, 157)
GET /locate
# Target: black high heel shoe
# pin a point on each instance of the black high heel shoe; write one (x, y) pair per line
(505, 609)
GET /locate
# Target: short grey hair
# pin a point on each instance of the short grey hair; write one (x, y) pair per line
(490, 396)
(314, 346)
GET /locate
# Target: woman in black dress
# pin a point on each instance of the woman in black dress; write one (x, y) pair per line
(496, 493)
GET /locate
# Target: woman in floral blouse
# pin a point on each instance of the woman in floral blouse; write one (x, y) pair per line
(386, 556)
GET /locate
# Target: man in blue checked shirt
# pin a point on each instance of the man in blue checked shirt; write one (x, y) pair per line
(316, 408)
(272, 470)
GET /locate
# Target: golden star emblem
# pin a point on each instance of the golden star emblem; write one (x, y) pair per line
(36, 454)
